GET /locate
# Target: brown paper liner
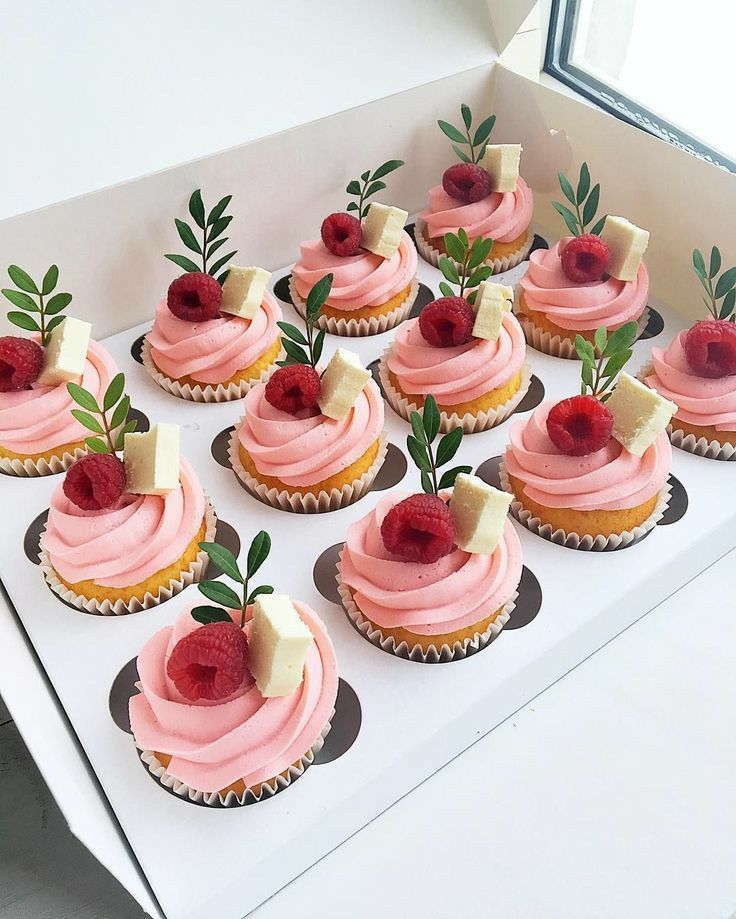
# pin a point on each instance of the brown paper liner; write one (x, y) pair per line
(216, 799)
(357, 328)
(471, 424)
(119, 607)
(206, 393)
(587, 543)
(31, 468)
(433, 655)
(433, 256)
(306, 503)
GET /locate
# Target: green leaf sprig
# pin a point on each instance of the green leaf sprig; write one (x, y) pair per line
(425, 428)
(475, 142)
(224, 595)
(604, 359)
(212, 225)
(585, 201)
(467, 270)
(35, 317)
(724, 288)
(368, 184)
(295, 341)
(114, 428)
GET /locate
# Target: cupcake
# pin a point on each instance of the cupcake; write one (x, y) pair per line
(123, 535)
(483, 194)
(591, 279)
(309, 442)
(698, 370)
(38, 435)
(466, 351)
(592, 471)
(432, 577)
(371, 259)
(214, 336)
(235, 703)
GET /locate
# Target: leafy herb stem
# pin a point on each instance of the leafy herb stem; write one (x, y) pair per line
(604, 358)
(425, 428)
(467, 269)
(717, 287)
(114, 429)
(294, 340)
(47, 311)
(224, 595)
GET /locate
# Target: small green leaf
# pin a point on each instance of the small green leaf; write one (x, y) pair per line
(418, 453)
(584, 349)
(353, 187)
(449, 270)
(446, 290)
(96, 445)
(466, 115)
(571, 221)
(295, 352)
(89, 421)
(114, 391)
(463, 237)
(50, 326)
(728, 304)
(448, 446)
(218, 210)
(480, 274)
(219, 227)
(698, 263)
(126, 429)
(583, 184)
(586, 374)
(19, 299)
(187, 236)
(567, 189)
(258, 552)
(221, 278)
(24, 321)
(427, 486)
(216, 245)
(224, 559)
(183, 262)
(292, 332)
(365, 175)
(455, 248)
(601, 338)
(120, 415)
(417, 427)
(50, 280)
(597, 228)
(387, 167)
(352, 206)
(715, 262)
(725, 283)
(221, 262)
(196, 208)
(480, 252)
(318, 295)
(463, 156)
(471, 297)
(483, 131)
(591, 205)
(207, 614)
(83, 398)
(373, 188)
(448, 478)
(622, 338)
(616, 363)
(452, 132)
(23, 280)
(431, 418)
(57, 303)
(220, 593)
(263, 589)
(319, 343)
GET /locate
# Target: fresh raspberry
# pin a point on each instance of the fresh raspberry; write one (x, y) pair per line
(447, 322)
(341, 233)
(95, 481)
(585, 258)
(20, 362)
(294, 388)
(467, 182)
(420, 529)
(710, 348)
(580, 425)
(209, 663)
(194, 296)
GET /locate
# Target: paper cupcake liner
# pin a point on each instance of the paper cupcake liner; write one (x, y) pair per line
(306, 503)
(471, 424)
(29, 468)
(206, 393)
(215, 799)
(587, 543)
(699, 446)
(459, 651)
(433, 256)
(556, 345)
(119, 607)
(356, 328)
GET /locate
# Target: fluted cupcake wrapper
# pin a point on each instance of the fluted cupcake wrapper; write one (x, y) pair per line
(206, 392)
(357, 328)
(471, 424)
(699, 446)
(587, 543)
(305, 502)
(119, 607)
(215, 799)
(434, 655)
(433, 256)
(29, 468)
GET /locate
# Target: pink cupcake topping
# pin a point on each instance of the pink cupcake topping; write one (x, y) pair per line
(502, 216)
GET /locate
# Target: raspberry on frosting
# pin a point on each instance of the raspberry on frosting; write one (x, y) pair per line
(294, 388)
(585, 258)
(210, 662)
(710, 348)
(95, 481)
(420, 528)
(580, 425)
(467, 182)
(195, 296)
(447, 322)
(341, 233)
(21, 360)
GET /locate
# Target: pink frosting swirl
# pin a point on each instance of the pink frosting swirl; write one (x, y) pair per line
(307, 448)
(580, 306)
(38, 419)
(501, 216)
(459, 374)
(609, 479)
(216, 349)
(125, 544)
(246, 736)
(453, 593)
(702, 401)
(359, 280)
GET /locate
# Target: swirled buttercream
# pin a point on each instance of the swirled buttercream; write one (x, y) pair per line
(501, 216)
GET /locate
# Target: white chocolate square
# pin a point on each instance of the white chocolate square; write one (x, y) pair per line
(627, 243)
(278, 643)
(342, 382)
(640, 414)
(382, 228)
(480, 512)
(152, 460)
(243, 290)
(492, 302)
(66, 352)
(501, 162)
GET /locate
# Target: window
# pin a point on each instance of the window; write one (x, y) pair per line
(661, 66)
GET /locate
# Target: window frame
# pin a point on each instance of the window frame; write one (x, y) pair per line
(558, 64)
